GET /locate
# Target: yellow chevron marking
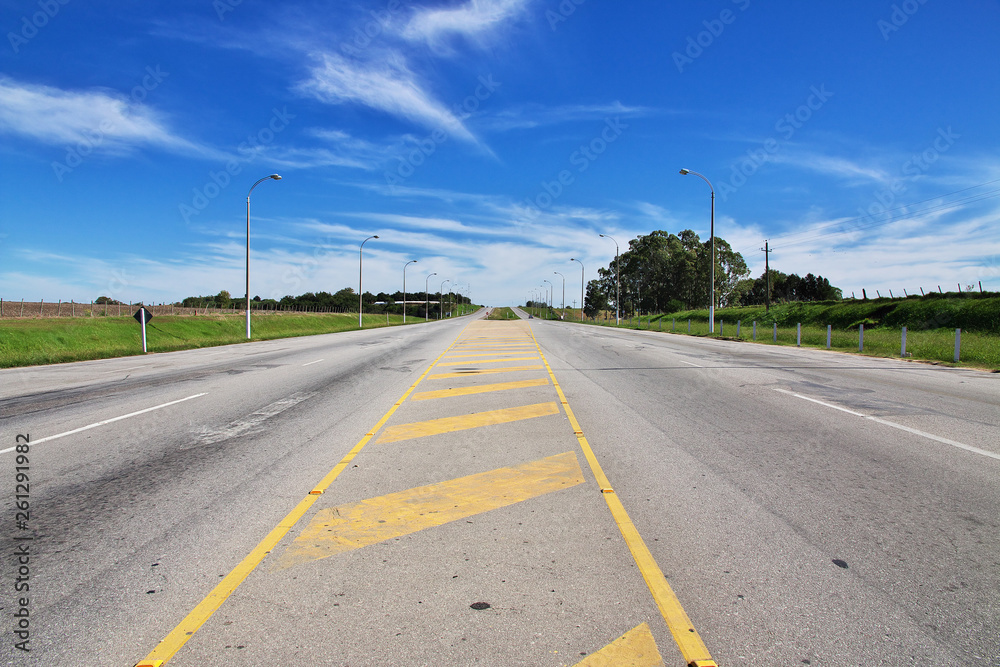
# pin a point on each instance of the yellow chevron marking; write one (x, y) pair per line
(479, 389)
(636, 648)
(355, 525)
(466, 422)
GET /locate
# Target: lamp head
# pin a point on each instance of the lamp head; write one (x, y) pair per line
(375, 237)
(275, 177)
(685, 172)
(601, 235)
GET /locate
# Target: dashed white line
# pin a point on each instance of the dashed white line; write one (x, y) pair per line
(923, 434)
(689, 363)
(106, 421)
(313, 362)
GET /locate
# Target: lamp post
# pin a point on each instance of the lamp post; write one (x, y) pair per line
(441, 302)
(412, 261)
(360, 293)
(427, 300)
(618, 287)
(276, 178)
(551, 287)
(564, 289)
(582, 282)
(711, 303)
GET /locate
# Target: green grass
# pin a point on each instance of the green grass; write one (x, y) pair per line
(31, 342)
(930, 322)
(502, 314)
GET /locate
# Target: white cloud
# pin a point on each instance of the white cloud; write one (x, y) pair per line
(387, 85)
(102, 120)
(472, 19)
(834, 166)
(536, 115)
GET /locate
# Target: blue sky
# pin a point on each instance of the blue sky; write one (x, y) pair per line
(491, 140)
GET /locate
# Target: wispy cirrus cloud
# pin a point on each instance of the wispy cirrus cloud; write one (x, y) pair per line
(537, 115)
(386, 84)
(105, 120)
(471, 20)
(838, 167)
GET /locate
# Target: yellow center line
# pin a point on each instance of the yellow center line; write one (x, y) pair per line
(175, 640)
(466, 422)
(688, 641)
(479, 389)
(334, 530)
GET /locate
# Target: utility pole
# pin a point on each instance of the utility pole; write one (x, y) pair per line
(767, 273)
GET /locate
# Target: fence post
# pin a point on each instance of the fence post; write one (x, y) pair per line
(41, 307)
(829, 331)
(689, 326)
(861, 338)
(775, 332)
(59, 308)
(798, 334)
(722, 326)
(755, 331)
(22, 308)
(738, 328)
(902, 345)
(958, 343)
(673, 324)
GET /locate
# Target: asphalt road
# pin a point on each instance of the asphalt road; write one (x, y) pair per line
(806, 507)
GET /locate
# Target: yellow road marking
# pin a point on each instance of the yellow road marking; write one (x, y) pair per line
(484, 361)
(691, 646)
(355, 525)
(479, 389)
(465, 422)
(198, 616)
(484, 371)
(483, 354)
(636, 648)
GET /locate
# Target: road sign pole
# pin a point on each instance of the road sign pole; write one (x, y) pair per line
(143, 319)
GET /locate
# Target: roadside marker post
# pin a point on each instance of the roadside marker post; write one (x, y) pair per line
(142, 316)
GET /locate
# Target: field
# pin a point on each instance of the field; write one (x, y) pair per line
(931, 322)
(33, 341)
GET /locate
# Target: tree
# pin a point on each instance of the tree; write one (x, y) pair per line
(596, 299)
(223, 300)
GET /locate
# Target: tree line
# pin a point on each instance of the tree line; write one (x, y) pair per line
(664, 272)
(345, 300)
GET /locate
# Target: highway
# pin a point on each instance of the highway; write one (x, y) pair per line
(446, 493)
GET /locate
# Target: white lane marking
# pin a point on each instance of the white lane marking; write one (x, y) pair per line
(106, 421)
(923, 434)
(689, 363)
(253, 420)
(313, 362)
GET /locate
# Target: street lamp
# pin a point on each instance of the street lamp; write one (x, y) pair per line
(582, 280)
(412, 261)
(564, 289)
(360, 293)
(427, 300)
(711, 303)
(441, 302)
(618, 279)
(277, 178)
(551, 287)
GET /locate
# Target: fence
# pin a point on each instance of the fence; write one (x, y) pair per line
(944, 345)
(18, 309)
